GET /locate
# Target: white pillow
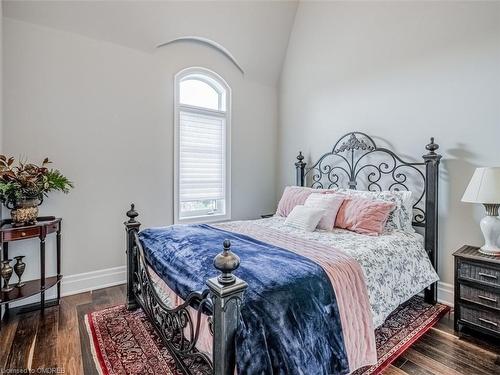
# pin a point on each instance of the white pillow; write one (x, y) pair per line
(330, 203)
(304, 218)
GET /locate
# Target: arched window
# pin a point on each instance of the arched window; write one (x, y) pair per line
(202, 146)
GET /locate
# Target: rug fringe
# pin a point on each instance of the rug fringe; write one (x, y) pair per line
(93, 345)
(414, 336)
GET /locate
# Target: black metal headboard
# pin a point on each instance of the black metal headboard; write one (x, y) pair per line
(356, 162)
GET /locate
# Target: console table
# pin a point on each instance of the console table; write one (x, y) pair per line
(9, 233)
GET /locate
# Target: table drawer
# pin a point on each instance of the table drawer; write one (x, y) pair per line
(482, 297)
(18, 234)
(472, 271)
(486, 319)
(52, 228)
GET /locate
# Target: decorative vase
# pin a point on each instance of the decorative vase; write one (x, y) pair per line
(24, 211)
(19, 268)
(6, 273)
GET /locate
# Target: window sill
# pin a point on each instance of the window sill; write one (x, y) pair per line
(203, 219)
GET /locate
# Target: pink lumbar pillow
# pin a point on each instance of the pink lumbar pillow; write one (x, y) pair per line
(330, 203)
(296, 195)
(364, 215)
(292, 196)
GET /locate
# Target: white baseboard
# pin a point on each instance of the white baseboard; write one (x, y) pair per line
(88, 281)
(445, 293)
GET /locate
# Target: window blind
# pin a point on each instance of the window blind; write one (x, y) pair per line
(202, 157)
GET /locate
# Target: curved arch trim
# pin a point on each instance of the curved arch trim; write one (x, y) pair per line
(208, 42)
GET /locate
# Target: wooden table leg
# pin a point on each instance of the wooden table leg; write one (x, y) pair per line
(5, 254)
(58, 255)
(1, 283)
(5, 250)
(42, 273)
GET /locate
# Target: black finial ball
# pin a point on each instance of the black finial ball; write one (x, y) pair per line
(226, 262)
(132, 213)
(432, 146)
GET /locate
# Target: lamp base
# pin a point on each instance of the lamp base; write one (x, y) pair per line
(490, 226)
(495, 251)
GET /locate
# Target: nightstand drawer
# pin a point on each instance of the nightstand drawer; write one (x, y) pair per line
(479, 296)
(485, 319)
(476, 272)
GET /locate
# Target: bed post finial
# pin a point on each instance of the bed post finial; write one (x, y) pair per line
(226, 291)
(132, 228)
(432, 147)
(132, 214)
(432, 160)
(300, 167)
(226, 262)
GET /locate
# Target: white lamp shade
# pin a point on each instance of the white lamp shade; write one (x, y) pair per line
(484, 186)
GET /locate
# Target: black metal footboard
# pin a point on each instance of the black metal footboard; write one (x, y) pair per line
(178, 329)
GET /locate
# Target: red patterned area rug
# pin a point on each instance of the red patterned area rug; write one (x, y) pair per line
(401, 329)
(124, 342)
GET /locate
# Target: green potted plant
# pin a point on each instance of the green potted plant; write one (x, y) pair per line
(24, 185)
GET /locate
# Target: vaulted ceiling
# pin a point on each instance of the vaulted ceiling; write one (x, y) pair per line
(256, 33)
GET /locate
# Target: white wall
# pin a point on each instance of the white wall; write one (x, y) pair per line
(402, 71)
(1, 82)
(103, 113)
(1, 102)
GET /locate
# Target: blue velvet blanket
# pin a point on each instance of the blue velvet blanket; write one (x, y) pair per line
(289, 317)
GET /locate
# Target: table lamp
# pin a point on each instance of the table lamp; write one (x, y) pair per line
(484, 187)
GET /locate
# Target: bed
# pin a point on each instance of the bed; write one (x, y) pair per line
(272, 313)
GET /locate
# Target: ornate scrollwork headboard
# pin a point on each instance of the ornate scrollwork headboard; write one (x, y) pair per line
(356, 162)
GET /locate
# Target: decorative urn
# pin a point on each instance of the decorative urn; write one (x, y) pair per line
(24, 211)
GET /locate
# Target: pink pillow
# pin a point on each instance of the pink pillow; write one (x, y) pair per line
(328, 202)
(295, 195)
(364, 215)
(292, 196)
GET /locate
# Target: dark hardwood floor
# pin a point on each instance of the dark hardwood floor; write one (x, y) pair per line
(52, 341)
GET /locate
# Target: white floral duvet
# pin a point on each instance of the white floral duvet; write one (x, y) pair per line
(395, 265)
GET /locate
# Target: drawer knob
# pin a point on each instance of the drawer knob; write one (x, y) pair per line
(494, 300)
(488, 276)
(23, 234)
(488, 322)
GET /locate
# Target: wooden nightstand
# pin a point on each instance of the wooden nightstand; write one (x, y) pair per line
(477, 291)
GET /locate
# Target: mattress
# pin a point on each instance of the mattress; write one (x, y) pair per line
(395, 264)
